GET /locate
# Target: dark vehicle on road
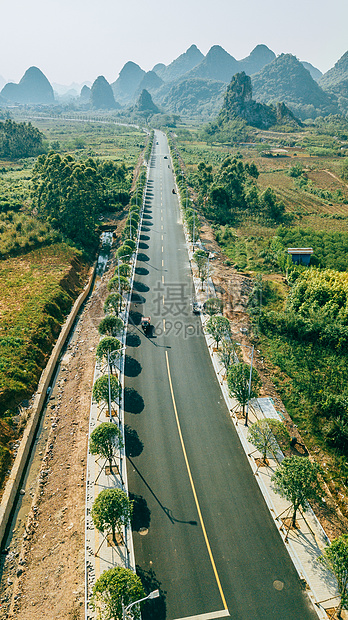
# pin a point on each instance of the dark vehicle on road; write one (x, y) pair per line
(146, 324)
(173, 191)
(196, 308)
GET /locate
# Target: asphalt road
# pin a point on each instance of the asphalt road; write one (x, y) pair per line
(205, 535)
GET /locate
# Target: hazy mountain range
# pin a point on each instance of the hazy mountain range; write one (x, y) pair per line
(194, 85)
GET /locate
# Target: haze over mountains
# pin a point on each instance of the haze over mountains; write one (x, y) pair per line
(194, 85)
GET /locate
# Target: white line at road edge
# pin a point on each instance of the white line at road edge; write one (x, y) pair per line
(214, 614)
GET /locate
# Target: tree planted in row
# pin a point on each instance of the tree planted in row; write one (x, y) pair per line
(296, 479)
(115, 587)
(105, 440)
(201, 259)
(113, 304)
(110, 325)
(218, 327)
(111, 510)
(238, 379)
(101, 389)
(335, 558)
(265, 434)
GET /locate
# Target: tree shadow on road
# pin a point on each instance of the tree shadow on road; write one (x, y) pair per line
(134, 445)
(140, 287)
(135, 317)
(155, 608)
(133, 402)
(133, 340)
(141, 515)
(132, 368)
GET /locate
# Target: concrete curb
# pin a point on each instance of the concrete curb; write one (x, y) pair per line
(17, 471)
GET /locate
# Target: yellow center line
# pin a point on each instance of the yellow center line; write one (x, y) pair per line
(194, 489)
(162, 263)
(162, 277)
(164, 325)
(162, 248)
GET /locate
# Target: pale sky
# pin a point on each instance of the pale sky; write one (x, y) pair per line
(77, 40)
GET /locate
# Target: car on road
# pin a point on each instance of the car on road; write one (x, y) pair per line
(196, 307)
(146, 324)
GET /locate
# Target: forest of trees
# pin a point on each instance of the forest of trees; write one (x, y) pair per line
(20, 140)
(231, 194)
(70, 195)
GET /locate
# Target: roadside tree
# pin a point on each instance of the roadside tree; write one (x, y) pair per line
(218, 327)
(110, 325)
(109, 348)
(227, 353)
(101, 389)
(105, 440)
(111, 510)
(113, 303)
(119, 283)
(296, 479)
(116, 586)
(200, 257)
(238, 377)
(265, 434)
(335, 558)
(213, 305)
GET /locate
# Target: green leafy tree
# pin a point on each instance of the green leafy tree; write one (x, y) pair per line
(116, 586)
(119, 283)
(238, 377)
(265, 434)
(335, 558)
(213, 305)
(101, 389)
(69, 195)
(227, 353)
(124, 252)
(130, 243)
(113, 303)
(20, 140)
(218, 327)
(108, 346)
(105, 440)
(296, 479)
(110, 326)
(111, 509)
(200, 257)
(123, 269)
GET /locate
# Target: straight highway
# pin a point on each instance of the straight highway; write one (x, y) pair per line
(203, 535)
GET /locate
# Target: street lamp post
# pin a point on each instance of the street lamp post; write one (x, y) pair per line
(250, 377)
(154, 594)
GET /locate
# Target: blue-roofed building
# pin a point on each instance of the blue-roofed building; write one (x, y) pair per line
(300, 256)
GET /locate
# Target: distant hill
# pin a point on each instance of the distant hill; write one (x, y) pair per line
(144, 104)
(257, 60)
(181, 65)
(85, 93)
(315, 73)
(151, 82)
(101, 96)
(34, 88)
(127, 83)
(239, 104)
(336, 81)
(195, 97)
(2, 82)
(286, 79)
(217, 65)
